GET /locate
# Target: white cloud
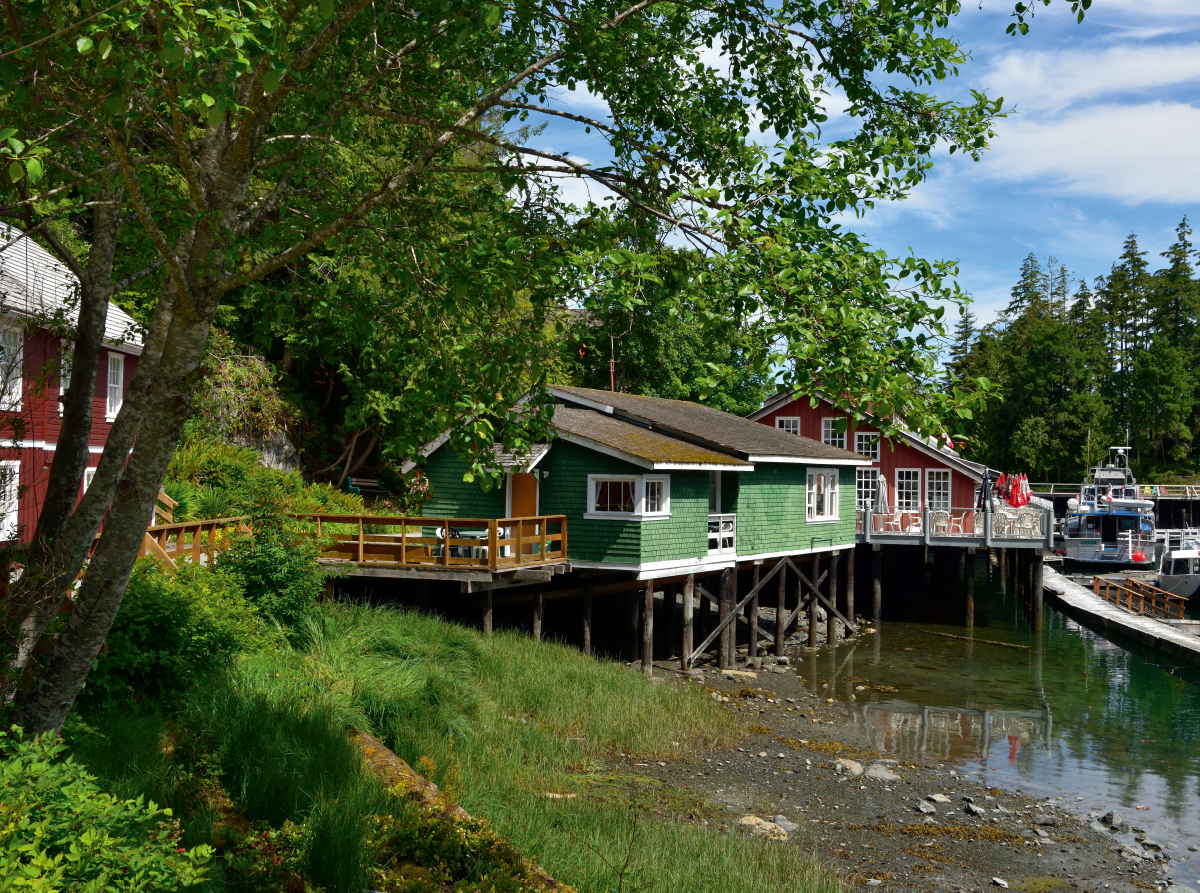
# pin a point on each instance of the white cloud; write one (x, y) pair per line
(1133, 153)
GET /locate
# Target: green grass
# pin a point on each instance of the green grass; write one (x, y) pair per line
(497, 722)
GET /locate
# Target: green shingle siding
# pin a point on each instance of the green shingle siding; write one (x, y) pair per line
(455, 498)
(770, 506)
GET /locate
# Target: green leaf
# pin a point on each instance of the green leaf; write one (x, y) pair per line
(84, 45)
(7, 132)
(105, 48)
(33, 169)
(271, 81)
(326, 9)
(16, 171)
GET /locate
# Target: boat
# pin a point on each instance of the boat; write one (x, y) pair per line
(1179, 567)
(1109, 523)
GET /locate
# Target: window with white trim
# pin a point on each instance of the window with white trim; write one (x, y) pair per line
(12, 367)
(790, 424)
(116, 385)
(66, 361)
(613, 496)
(89, 474)
(866, 484)
(632, 496)
(867, 445)
(831, 435)
(657, 496)
(822, 501)
(908, 489)
(10, 491)
(937, 489)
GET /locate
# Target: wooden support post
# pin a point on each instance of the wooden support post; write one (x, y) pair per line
(1037, 560)
(1003, 562)
(812, 602)
(851, 555)
(830, 621)
(689, 591)
(724, 609)
(539, 612)
(781, 611)
(587, 612)
(752, 647)
(634, 608)
(648, 631)
(876, 583)
(487, 613)
(970, 574)
(670, 599)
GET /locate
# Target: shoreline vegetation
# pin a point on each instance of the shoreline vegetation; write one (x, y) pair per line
(255, 759)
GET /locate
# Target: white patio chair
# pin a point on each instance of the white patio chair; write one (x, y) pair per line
(939, 523)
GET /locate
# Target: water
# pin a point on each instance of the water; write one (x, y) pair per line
(1071, 715)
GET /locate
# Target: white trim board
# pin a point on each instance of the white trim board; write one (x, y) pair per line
(641, 462)
(811, 460)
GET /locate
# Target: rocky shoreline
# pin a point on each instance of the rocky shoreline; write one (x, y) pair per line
(807, 775)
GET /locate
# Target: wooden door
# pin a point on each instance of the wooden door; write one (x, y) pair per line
(524, 495)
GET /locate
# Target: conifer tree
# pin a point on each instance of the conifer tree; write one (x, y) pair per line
(960, 346)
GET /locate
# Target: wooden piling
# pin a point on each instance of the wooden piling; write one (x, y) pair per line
(781, 612)
(648, 631)
(724, 609)
(970, 574)
(587, 612)
(1037, 560)
(876, 583)
(487, 613)
(812, 602)
(689, 589)
(633, 605)
(852, 554)
(670, 597)
(830, 618)
(752, 647)
(539, 612)
(1003, 564)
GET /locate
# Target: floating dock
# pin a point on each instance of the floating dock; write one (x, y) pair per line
(1088, 607)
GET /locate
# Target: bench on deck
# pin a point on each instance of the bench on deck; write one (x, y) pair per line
(360, 486)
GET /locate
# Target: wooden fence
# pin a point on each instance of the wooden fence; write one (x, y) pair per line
(485, 543)
(1140, 598)
(200, 541)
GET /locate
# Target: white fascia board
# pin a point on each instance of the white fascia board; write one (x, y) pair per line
(581, 401)
(960, 465)
(796, 460)
(426, 451)
(652, 570)
(699, 466)
(123, 347)
(607, 450)
(772, 404)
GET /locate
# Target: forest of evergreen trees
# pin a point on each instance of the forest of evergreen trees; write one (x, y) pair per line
(1079, 369)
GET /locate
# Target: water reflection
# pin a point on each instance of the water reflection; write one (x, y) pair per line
(1067, 713)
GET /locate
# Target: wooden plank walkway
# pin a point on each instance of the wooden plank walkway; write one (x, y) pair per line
(1085, 605)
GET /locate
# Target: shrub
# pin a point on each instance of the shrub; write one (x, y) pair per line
(173, 630)
(186, 495)
(213, 463)
(214, 502)
(61, 832)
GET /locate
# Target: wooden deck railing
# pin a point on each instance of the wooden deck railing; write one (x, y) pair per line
(198, 540)
(484, 543)
(1140, 598)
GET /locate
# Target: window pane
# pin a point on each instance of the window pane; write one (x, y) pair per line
(866, 482)
(654, 496)
(116, 393)
(867, 445)
(789, 424)
(908, 489)
(938, 489)
(831, 435)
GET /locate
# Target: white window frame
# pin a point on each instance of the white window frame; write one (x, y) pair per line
(829, 432)
(89, 475)
(864, 503)
(12, 387)
(899, 491)
(943, 476)
(10, 499)
(866, 444)
(111, 409)
(66, 365)
(788, 423)
(831, 511)
(639, 512)
(714, 492)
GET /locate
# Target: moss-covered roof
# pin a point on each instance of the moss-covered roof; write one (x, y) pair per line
(637, 442)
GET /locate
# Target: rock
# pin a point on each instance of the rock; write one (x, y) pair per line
(938, 798)
(783, 661)
(972, 809)
(874, 882)
(1042, 834)
(1046, 821)
(1194, 848)
(860, 688)
(739, 674)
(1112, 818)
(1096, 826)
(881, 773)
(762, 753)
(924, 807)
(850, 768)
(929, 820)
(1000, 883)
(1124, 828)
(1151, 845)
(782, 822)
(829, 701)
(759, 827)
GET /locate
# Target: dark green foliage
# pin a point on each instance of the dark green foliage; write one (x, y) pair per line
(63, 833)
(173, 631)
(1079, 373)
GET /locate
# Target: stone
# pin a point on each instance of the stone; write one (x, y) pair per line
(972, 809)
(782, 822)
(874, 882)
(929, 820)
(1042, 834)
(1096, 826)
(1046, 821)
(1112, 818)
(740, 674)
(881, 773)
(924, 807)
(759, 827)
(762, 753)
(1194, 848)
(938, 798)
(783, 661)
(1151, 845)
(850, 768)
(1123, 828)
(998, 882)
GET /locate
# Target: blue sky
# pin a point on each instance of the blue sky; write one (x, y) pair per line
(1102, 139)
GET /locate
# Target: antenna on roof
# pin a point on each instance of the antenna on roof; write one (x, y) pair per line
(612, 364)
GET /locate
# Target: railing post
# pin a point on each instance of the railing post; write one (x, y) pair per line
(360, 539)
(517, 525)
(404, 543)
(925, 521)
(492, 539)
(987, 526)
(445, 542)
(542, 528)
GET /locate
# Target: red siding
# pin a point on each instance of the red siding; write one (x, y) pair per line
(892, 455)
(42, 423)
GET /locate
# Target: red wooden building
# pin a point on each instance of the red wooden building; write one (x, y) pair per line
(38, 311)
(918, 474)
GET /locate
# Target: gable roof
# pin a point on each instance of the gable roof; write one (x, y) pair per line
(707, 428)
(36, 285)
(637, 444)
(966, 466)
